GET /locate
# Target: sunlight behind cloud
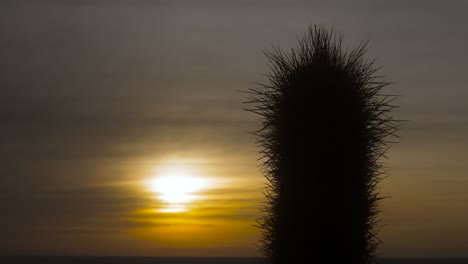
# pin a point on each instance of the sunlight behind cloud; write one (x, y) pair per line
(197, 202)
(178, 187)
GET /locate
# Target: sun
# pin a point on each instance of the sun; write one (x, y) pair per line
(177, 187)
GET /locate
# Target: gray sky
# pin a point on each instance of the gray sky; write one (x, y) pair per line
(96, 93)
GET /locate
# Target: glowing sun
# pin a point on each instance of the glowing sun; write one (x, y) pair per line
(177, 188)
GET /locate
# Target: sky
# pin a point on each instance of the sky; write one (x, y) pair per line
(100, 98)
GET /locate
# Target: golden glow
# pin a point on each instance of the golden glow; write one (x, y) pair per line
(194, 203)
(177, 187)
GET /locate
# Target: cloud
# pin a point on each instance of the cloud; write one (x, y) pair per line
(93, 93)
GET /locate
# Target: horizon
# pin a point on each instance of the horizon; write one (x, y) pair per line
(207, 260)
(209, 257)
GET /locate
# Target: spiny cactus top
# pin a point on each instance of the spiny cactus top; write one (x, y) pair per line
(324, 128)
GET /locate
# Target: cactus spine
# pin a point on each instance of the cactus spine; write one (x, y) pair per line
(325, 125)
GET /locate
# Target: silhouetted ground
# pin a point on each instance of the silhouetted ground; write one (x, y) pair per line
(175, 260)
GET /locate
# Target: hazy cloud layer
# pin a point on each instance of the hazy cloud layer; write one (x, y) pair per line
(93, 93)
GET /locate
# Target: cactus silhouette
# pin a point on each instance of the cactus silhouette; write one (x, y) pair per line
(325, 124)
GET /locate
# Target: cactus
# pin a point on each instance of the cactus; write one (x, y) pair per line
(325, 127)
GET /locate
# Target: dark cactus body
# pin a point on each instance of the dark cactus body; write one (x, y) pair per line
(324, 129)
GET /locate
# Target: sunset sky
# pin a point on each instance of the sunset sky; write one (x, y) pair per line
(102, 99)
